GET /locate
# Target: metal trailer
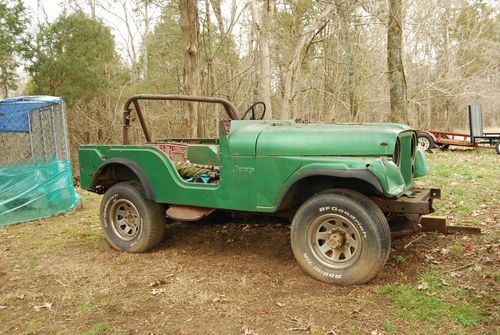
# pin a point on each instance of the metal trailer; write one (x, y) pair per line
(429, 139)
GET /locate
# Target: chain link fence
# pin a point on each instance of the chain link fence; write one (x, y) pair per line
(35, 171)
(32, 132)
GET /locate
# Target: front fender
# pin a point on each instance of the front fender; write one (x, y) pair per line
(381, 172)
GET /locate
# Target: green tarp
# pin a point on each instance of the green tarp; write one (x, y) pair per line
(39, 190)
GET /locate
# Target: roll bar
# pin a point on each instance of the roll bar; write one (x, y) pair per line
(134, 100)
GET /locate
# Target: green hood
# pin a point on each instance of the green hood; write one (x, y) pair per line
(278, 138)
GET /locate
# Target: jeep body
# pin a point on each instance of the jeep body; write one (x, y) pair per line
(268, 166)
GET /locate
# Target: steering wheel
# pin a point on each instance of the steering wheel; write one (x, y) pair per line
(252, 109)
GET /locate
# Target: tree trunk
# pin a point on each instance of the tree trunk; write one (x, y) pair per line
(265, 57)
(298, 56)
(446, 63)
(92, 6)
(253, 50)
(263, 27)
(144, 46)
(225, 35)
(344, 11)
(211, 80)
(190, 46)
(397, 79)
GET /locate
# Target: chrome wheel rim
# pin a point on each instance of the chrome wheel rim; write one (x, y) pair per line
(424, 143)
(334, 241)
(125, 219)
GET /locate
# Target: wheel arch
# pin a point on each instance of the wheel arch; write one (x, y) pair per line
(311, 182)
(117, 170)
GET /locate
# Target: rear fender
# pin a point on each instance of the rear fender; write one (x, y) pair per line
(115, 170)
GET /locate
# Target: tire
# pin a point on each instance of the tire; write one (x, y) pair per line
(357, 239)
(444, 147)
(145, 226)
(425, 141)
(497, 147)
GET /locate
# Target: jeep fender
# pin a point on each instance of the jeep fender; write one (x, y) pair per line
(364, 176)
(127, 164)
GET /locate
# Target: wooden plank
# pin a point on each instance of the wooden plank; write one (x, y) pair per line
(438, 224)
(465, 230)
(434, 223)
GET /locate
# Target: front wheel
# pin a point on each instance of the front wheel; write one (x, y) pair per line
(131, 221)
(497, 147)
(340, 236)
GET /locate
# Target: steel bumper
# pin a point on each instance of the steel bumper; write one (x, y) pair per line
(419, 201)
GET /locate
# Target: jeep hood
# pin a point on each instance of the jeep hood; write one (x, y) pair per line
(288, 138)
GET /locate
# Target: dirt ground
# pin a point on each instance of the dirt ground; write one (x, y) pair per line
(228, 276)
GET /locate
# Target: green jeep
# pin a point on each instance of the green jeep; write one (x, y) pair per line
(345, 185)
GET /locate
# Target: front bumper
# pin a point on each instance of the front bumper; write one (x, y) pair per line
(419, 201)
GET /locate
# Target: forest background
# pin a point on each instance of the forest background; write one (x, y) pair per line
(415, 62)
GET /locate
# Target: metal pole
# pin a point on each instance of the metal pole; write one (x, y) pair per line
(42, 133)
(31, 138)
(65, 131)
(53, 131)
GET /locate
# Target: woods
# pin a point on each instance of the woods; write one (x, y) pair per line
(419, 63)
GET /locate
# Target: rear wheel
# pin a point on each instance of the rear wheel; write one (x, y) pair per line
(340, 236)
(131, 221)
(497, 147)
(425, 141)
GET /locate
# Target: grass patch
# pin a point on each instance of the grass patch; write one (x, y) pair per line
(466, 181)
(398, 258)
(32, 262)
(86, 307)
(430, 303)
(389, 327)
(97, 329)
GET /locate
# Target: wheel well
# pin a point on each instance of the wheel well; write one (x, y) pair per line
(112, 173)
(305, 188)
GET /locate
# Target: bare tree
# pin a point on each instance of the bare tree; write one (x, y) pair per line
(263, 28)
(92, 5)
(225, 36)
(397, 79)
(344, 11)
(191, 57)
(293, 68)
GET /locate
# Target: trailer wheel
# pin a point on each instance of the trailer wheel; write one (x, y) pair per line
(425, 141)
(132, 222)
(341, 237)
(497, 147)
(444, 147)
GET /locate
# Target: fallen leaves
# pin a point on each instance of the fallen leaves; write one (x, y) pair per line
(445, 283)
(469, 249)
(158, 291)
(46, 305)
(423, 286)
(157, 283)
(220, 298)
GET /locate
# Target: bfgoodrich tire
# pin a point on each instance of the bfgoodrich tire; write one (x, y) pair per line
(131, 221)
(341, 237)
